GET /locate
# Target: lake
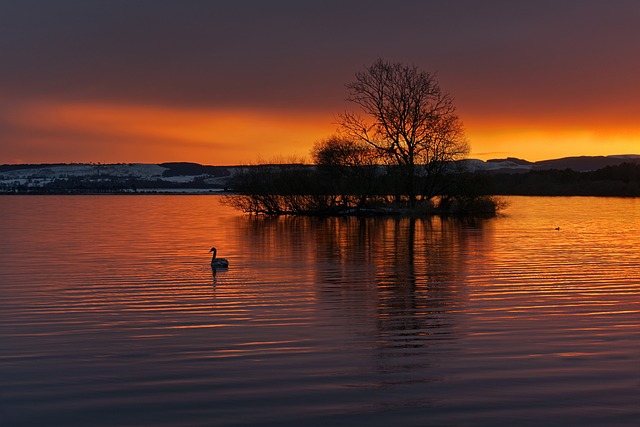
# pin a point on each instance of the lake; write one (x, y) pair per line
(110, 315)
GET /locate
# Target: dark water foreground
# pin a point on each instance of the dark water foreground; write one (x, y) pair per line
(110, 316)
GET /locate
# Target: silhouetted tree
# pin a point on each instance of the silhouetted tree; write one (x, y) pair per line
(349, 169)
(410, 122)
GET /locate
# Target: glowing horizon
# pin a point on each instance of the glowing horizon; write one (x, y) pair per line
(147, 134)
(152, 134)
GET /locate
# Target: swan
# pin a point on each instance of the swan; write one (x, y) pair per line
(218, 262)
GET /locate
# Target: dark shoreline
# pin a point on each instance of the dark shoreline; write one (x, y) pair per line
(622, 180)
(232, 193)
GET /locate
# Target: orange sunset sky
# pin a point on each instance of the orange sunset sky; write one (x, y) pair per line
(237, 82)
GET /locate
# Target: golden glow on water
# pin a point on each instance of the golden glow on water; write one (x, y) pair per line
(109, 305)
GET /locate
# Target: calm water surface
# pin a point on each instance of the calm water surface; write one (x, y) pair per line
(110, 315)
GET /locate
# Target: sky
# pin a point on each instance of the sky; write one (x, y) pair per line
(247, 81)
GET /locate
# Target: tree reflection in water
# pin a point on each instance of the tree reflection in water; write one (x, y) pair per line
(397, 282)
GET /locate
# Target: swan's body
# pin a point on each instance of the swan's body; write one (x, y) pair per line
(218, 262)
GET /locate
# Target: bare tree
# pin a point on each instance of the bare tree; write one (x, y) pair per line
(409, 120)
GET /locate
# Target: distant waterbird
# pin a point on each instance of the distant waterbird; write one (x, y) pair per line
(558, 228)
(218, 262)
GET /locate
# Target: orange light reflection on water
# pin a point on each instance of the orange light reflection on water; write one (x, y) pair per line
(487, 310)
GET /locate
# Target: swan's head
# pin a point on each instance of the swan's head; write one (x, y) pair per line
(212, 250)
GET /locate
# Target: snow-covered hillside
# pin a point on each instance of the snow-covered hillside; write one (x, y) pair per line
(61, 171)
(506, 165)
(108, 177)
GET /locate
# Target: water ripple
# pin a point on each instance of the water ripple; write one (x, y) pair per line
(111, 316)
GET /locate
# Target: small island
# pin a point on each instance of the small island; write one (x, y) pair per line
(397, 155)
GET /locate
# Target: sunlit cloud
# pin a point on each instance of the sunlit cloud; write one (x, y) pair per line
(112, 133)
(156, 134)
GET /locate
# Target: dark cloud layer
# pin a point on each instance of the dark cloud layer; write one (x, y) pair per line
(290, 53)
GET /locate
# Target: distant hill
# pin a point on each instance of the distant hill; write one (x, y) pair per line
(113, 178)
(578, 164)
(586, 163)
(75, 178)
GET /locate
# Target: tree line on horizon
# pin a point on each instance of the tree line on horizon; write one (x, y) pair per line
(619, 180)
(611, 181)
